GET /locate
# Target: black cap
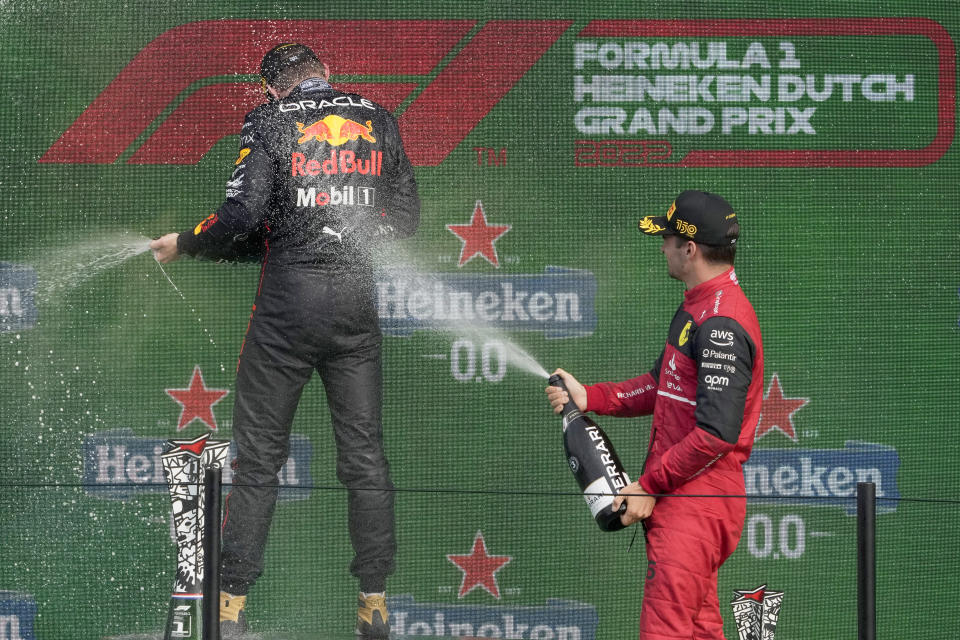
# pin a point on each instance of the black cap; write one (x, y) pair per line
(282, 57)
(703, 217)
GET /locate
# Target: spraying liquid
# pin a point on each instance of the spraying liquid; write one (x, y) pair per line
(184, 298)
(65, 268)
(514, 354)
(392, 258)
(401, 265)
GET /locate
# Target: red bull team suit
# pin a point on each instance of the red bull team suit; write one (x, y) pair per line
(705, 393)
(321, 177)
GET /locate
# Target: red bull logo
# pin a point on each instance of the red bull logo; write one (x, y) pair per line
(335, 130)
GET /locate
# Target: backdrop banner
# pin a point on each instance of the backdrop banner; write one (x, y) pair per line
(540, 134)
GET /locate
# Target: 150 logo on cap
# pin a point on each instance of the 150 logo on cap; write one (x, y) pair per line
(686, 228)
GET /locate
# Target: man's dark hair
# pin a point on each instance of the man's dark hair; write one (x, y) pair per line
(289, 64)
(724, 254)
(296, 74)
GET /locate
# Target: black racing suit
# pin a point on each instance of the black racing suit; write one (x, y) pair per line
(321, 178)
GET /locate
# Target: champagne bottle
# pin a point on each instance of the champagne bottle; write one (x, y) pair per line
(594, 463)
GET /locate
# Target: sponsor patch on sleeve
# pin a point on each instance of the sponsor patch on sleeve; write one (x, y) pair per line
(207, 222)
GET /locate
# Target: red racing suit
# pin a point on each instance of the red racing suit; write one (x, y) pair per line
(705, 393)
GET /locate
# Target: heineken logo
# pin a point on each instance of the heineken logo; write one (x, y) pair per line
(560, 302)
(557, 619)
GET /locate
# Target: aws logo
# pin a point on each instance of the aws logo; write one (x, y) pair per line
(721, 338)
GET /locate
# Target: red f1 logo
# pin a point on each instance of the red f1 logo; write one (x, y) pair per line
(447, 102)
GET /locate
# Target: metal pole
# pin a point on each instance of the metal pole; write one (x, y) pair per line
(867, 560)
(212, 481)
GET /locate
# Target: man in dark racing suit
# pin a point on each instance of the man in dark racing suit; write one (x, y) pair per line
(321, 178)
(704, 392)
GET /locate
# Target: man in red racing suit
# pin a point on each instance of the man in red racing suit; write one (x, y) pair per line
(704, 392)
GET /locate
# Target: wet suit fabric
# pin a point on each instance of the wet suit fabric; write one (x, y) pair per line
(321, 179)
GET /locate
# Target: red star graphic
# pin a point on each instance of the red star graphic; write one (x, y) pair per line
(777, 411)
(478, 237)
(479, 569)
(197, 401)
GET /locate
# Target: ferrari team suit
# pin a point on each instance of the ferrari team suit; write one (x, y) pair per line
(705, 393)
(321, 177)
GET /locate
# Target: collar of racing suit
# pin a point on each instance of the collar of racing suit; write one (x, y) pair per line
(705, 289)
(312, 84)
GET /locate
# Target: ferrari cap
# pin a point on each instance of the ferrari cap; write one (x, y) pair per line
(703, 217)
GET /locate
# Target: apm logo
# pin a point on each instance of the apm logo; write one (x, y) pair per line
(436, 64)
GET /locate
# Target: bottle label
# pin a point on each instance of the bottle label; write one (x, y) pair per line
(569, 418)
(598, 495)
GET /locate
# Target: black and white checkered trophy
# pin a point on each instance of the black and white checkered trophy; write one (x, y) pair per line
(756, 612)
(184, 465)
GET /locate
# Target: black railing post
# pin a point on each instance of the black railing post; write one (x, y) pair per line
(212, 481)
(867, 560)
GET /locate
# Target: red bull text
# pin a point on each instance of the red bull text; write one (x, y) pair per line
(337, 162)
